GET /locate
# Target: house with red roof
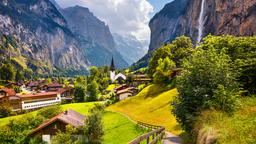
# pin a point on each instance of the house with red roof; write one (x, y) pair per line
(9, 98)
(38, 100)
(49, 128)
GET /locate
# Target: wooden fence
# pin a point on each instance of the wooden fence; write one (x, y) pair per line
(156, 134)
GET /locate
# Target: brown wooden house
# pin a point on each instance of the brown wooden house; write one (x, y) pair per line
(52, 87)
(58, 123)
(124, 92)
(9, 98)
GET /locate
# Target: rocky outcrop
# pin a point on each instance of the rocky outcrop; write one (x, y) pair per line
(181, 17)
(130, 47)
(94, 36)
(41, 33)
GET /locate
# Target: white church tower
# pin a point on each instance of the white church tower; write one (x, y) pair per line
(113, 75)
(112, 70)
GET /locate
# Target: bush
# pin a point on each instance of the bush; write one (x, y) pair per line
(5, 111)
(208, 81)
(80, 93)
(49, 112)
(93, 129)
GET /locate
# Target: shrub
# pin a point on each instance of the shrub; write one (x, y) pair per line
(5, 111)
(208, 81)
(49, 112)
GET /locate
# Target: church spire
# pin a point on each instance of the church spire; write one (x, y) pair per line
(112, 67)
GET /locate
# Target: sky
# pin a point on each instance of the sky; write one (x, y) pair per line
(124, 17)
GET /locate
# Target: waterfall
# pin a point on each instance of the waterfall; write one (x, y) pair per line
(201, 22)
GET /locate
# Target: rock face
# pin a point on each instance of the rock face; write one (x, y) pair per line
(41, 32)
(181, 17)
(94, 36)
(130, 48)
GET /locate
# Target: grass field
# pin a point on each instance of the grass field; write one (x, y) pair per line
(151, 105)
(239, 128)
(117, 128)
(79, 107)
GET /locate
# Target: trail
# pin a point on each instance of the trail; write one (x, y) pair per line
(171, 139)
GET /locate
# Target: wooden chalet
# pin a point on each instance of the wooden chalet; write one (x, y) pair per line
(36, 85)
(9, 98)
(12, 84)
(124, 91)
(66, 94)
(49, 128)
(52, 87)
(138, 79)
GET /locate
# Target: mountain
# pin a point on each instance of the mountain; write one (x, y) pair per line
(94, 36)
(41, 34)
(198, 18)
(130, 47)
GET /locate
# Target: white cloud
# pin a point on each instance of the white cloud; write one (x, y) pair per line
(123, 16)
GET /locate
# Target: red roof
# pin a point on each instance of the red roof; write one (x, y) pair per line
(38, 94)
(70, 117)
(61, 90)
(10, 92)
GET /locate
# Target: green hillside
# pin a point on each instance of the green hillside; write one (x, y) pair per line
(151, 105)
(238, 128)
(115, 125)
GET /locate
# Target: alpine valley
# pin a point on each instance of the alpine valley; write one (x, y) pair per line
(43, 37)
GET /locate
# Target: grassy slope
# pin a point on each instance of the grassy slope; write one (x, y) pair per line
(80, 107)
(118, 129)
(151, 105)
(239, 128)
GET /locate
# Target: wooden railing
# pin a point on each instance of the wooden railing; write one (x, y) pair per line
(156, 134)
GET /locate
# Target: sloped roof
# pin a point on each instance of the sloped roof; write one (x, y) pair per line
(54, 85)
(127, 90)
(70, 117)
(10, 92)
(35, 95)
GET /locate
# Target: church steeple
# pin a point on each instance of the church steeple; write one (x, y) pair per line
(112, 67)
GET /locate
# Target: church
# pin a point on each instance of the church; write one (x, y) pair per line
(113, 76)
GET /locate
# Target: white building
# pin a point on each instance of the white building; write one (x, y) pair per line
(38, 100)
(113, 75)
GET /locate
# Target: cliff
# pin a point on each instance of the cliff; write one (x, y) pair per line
(94, 36)
(182, 17)
(198, 18)
(41, 33)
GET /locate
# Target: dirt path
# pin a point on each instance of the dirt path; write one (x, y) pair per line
(171, 139)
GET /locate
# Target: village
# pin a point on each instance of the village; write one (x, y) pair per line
(34, 95)
(38, 94)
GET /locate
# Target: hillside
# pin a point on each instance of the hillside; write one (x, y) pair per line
(114, 123)
(151, 105)
(41, 33)
(238, 128)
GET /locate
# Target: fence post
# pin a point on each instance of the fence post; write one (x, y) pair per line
(148, 140)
